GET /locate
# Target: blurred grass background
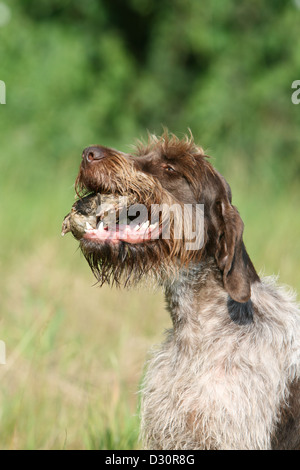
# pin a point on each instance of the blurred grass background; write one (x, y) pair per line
(102, 71)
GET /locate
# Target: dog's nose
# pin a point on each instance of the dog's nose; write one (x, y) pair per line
(93, 153)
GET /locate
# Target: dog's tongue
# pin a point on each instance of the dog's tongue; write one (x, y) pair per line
(127, 233)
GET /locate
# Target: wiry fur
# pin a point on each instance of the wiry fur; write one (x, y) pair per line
(214, 384)
(227, 375)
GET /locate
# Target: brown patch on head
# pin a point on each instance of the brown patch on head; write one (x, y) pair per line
(180, 164)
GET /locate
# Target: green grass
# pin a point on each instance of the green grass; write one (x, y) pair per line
(75, 353)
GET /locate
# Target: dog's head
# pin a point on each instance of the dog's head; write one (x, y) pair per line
(164, 173)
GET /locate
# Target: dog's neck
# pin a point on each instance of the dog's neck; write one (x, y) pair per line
(190, 295)
(197, 301)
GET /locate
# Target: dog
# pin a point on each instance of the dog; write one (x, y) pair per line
(227, 375)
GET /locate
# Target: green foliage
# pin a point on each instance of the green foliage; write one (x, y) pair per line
(78, 71)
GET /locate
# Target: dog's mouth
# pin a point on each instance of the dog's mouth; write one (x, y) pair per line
(110, 218)
(136, 233)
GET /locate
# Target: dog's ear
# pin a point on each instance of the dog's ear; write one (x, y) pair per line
(231, 255)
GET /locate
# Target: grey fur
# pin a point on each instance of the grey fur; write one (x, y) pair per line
(214, 384)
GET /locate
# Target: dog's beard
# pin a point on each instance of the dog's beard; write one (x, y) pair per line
(126, 264)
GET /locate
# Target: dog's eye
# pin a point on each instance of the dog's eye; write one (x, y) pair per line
(169, 168)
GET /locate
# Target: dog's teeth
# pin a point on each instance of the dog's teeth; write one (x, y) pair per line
(101, 226)
(88, 226)
(153, 226)
(145, 226)
(137, 227)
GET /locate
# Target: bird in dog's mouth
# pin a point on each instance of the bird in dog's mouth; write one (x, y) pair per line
(110, 218)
